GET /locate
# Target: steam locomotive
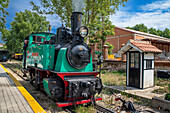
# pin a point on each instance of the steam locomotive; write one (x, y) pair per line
(61, 64)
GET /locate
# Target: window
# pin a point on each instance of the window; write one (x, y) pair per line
(38, 39)
(148, 64)
(34, 38)
(134, 63)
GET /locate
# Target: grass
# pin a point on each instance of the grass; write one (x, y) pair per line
(164, 84)
(83, 109)
(113, 78)
(159, 91)
(118, 78)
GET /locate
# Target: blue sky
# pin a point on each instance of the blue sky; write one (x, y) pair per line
(152, 13)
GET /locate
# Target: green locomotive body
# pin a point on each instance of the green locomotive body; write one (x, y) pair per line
(38, 54)
(41, 55)
(61, 64)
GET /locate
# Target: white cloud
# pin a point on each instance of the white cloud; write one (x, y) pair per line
(156, 19)
(54, 20)
(158, 5)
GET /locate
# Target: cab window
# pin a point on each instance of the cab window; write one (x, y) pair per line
(38, 39)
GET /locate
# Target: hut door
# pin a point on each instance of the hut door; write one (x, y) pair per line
(134, 69)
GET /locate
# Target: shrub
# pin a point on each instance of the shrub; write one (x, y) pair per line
(167, 96)
(110, 47)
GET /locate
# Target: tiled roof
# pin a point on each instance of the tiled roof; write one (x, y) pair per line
(145, 47)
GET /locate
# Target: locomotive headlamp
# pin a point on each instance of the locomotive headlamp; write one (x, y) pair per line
(83, 31)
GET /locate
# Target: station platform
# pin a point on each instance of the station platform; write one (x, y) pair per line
(14, 98)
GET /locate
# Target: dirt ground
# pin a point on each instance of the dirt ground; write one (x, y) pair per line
(50, 106)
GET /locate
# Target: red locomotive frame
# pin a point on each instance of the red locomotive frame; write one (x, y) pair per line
(67, 101)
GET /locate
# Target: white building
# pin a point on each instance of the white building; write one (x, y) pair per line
(1, 44)
(140, 63)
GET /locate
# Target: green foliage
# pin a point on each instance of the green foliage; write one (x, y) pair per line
(3, 5)
(110, 47)
(96, 15)
(23, 24)
(152, 31)
(139, 27)
(166, 33)
(63, 8)
(143, 28)
(100, 29)
(167, 96)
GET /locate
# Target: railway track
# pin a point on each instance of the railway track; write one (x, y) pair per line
(17, 72)
(99, 108)
(103, 109)
(69, 110)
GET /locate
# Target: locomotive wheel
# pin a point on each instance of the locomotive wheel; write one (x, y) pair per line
(32, 77)
(37, 79)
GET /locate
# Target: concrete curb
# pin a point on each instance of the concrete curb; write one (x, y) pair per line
(160, 103)
(124, 93)
(155, 102)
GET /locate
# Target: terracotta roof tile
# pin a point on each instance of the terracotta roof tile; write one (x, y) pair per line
(145, 47)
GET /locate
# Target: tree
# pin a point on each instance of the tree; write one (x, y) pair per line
(100, 29)
(140, 27)
(96, 15)
(143, 28)
(159, 32)
(110, 48)
(63, 8)
(166, 33)
(3, 5)
(24, 23)
(153, 31)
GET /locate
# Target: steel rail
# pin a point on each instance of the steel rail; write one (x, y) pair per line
(103, 109)
(17, 72)
(69, 110)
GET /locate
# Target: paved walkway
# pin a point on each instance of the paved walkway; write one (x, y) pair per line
(145, 93)
(11, 100)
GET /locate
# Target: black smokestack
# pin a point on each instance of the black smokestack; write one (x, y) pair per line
(76, 17)
(76, 20)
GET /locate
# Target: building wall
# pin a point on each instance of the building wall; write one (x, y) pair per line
(121, 37)
(148, 76)
(138, 37)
